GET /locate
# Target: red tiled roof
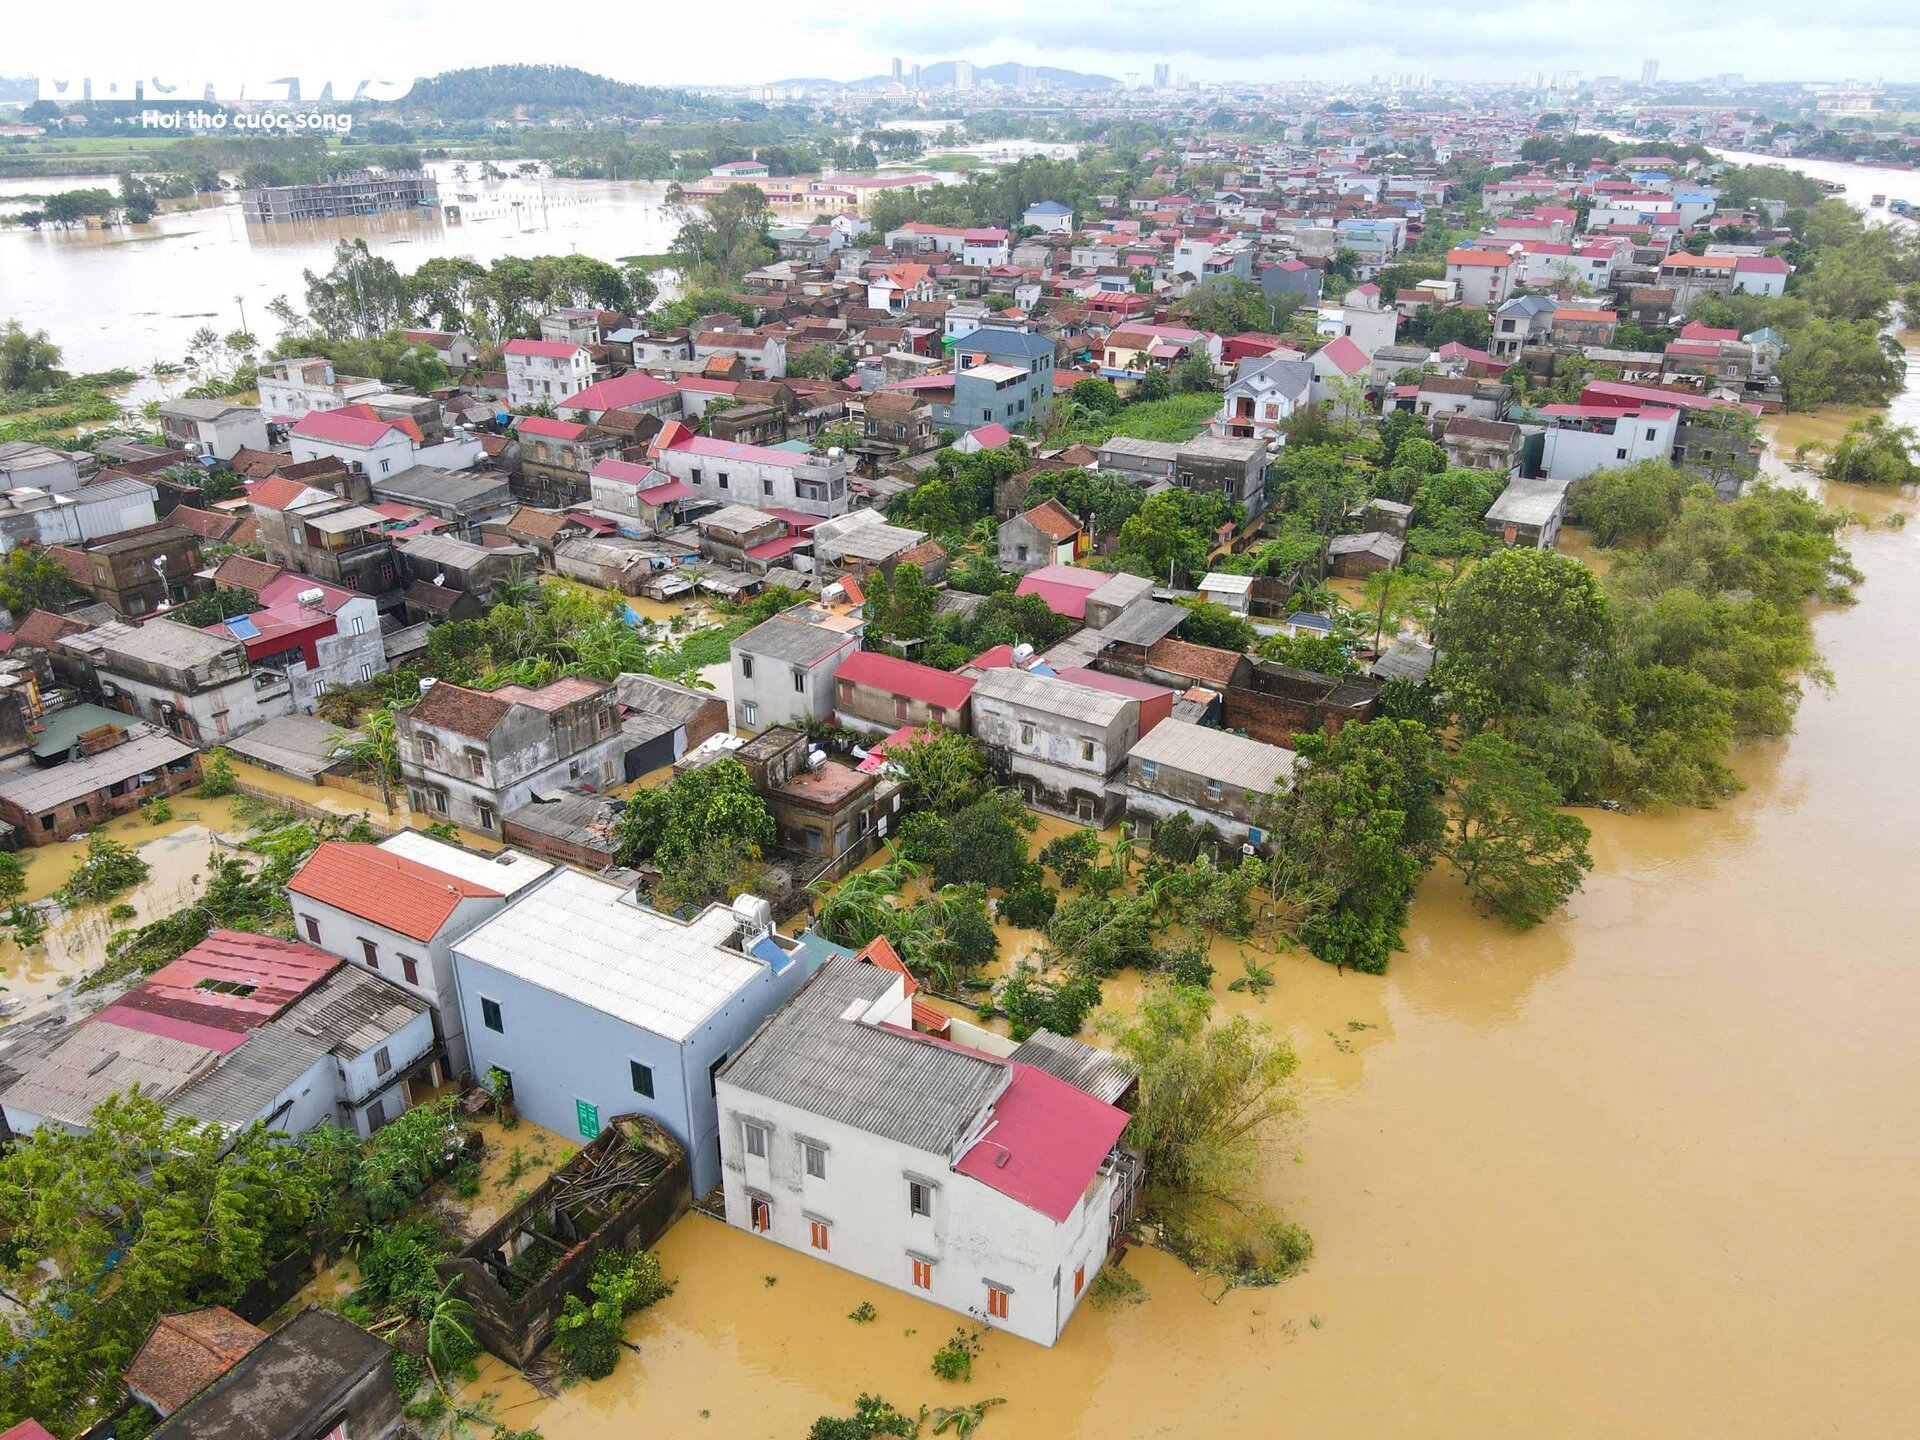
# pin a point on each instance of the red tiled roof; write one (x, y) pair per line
(243, 572)
(1196, 662)
(277, 493)
(446, 706)
(990, 437)
(905, 677)
(1345, 356)
(390, 890)
(45, 629)
(185, 1354)
(1498, 260)
(1053, 520)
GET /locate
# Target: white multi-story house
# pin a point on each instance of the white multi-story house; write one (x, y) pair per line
(202, 687)
(1485, 277)
(757, 475)
(988, 1181)
(395, 908)
(1264, 391)
(382, 448)
(783, 669)
(290, 389)
(336, 630)
(1057, 742)
(1581, 439)
(473, 757)
(218, 428)
(545, 371)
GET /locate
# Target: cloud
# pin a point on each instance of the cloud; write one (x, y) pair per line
(1213, 39)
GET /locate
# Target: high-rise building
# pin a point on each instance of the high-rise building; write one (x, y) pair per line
(896, 69)
(1183, 80)
(1649, 71)
(963, 75)
(1161, 73)
(916, 78)
(1025, 77)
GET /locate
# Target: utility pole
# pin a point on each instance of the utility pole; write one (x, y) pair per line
(241, 301)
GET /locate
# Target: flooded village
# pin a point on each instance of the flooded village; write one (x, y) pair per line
(623, 812)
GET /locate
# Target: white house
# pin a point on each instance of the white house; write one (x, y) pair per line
(984, 246)
(545, 370)
(980, 1180)
(291, 388)
(213, 427)
(630, 1011)
(1581, 439)
(1264, 391)
(1485, 277)
(395, 908)
(783, 668)
(758, 475)
(1049, 217)
(1336, 366)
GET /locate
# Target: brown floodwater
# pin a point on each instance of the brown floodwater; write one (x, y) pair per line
(1652, 1169)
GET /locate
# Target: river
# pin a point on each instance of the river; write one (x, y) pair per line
(1650, 1170)
(134, 294)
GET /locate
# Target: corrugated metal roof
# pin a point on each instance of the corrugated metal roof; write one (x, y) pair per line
(99, 1060)
(352, 1011)
(1233, 760)
(1143, 622)
(146, 748)
(1048, 695)
(1100, 1073)
(792, 640)
(251, 1078)
(887, 1082)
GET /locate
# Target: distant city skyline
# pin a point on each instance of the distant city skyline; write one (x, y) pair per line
(1207, 40)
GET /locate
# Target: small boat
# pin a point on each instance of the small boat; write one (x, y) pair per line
(1879, 200)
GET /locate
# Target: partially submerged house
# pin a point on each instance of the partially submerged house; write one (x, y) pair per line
(974, 1177)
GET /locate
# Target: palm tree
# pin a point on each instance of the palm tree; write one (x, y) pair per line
(861, 906)
(1316, 599)
(448, 1320)
(516, 587)
(373, 748)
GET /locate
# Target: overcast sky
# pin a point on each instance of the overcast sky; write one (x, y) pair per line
(753, 41)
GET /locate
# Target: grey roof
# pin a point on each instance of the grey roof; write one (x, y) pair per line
(893, 1083)
(247, 1082)
(1120, 590)
(1224, 447)
(662, 699)
(1233, 760)
(1144, 449)
(587, 550)
(164, 642)
(429, 485)
(293, 744)
(190, 409)
(112, 487)
(101, 1059)
(447, 550)
(1404, 660)
(1100, 1073)
(147, 747)
(1529, 502)
(1144, 622)
(869, 542)
(1287, 375)
(736, 520)
(1369, 542)
(1050, 695)
(999, 340)
(791, 640)
(303, 1370)
(351, 1012)
(1385, 507)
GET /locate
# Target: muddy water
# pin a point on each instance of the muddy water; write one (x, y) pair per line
(1649, 1170)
